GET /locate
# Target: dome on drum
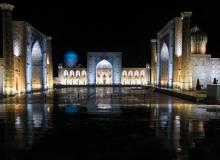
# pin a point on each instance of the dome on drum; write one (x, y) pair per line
(70, 59)
(199, 40)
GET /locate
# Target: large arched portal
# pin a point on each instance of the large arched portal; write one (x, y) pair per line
(104, 73)
(37, 66)
(164, 65)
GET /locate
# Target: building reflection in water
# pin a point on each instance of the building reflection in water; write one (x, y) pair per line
(22, 124)
(179, 126)
(103, 100)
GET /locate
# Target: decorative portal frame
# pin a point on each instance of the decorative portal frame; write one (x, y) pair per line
(93, 58)
(166, 36)
(33, 36)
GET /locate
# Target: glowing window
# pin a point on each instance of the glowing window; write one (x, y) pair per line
(124, 73)
(142, 73)
(130, 73)
(136, 73)
(65, 73)
(71, 73)
(83, 73)
(77, 73)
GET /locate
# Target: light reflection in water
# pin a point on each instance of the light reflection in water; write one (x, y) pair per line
(21, 124)
(178, 125)
(104, 106)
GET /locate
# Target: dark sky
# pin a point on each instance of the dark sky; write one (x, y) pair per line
(125, 26)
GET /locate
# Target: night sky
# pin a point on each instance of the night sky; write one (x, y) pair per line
(123, 26)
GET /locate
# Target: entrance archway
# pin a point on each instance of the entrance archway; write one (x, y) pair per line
(164, 65)
(37, 66)
(104, 73)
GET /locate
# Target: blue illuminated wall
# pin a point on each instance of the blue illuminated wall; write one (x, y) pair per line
(31, 37)
(166, 36)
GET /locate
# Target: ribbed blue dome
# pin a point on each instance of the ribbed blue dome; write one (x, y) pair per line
(70, 59)
(197, 35)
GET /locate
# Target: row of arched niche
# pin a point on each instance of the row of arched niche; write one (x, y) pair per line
(133, 73)
(74, 82)
(83, 73)
(77, 73)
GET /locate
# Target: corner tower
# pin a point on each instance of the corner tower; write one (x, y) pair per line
(186, 75)
(8, 82)
(153, 61)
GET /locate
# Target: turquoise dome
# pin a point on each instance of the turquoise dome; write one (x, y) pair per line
(70, 59)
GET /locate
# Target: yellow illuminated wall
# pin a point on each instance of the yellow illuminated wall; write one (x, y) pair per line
(78, 76)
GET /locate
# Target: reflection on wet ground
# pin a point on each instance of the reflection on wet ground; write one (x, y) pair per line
(107, 123)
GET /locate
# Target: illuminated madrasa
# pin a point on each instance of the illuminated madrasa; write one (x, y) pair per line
(26, 64)
(179, 58)
(103, 68)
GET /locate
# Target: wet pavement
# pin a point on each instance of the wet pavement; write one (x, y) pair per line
(107, 123)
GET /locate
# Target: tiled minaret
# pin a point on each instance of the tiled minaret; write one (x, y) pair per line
(186, 70)
(9, 79)
(49, 63)
(153, 61)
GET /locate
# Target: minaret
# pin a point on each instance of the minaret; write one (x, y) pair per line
(153, 61)
(60, 73)
(9, 80)
(186, 73)
(49, 63)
